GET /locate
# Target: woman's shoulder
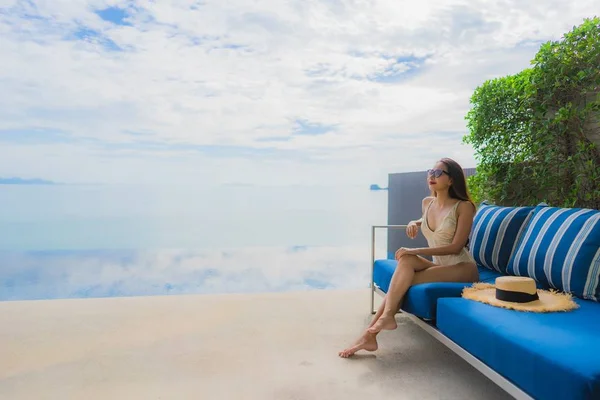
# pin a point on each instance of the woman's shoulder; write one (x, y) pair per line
(427, 200)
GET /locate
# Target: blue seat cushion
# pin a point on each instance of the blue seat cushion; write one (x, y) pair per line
(421, 299)
(495, 232)
(547, 355)
(561, 249)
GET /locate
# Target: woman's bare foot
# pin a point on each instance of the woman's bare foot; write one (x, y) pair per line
(384, 323)
(366, 342)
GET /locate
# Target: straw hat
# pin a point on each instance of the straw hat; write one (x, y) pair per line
(519, 293)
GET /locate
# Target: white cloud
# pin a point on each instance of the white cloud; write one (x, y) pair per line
(135, 273)
(241, 73)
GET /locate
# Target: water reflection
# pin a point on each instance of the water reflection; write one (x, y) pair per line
(108, 273)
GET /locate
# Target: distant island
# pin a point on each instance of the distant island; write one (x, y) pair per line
(21, 181)
(377, 187)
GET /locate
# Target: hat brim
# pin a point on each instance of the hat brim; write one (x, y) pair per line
(549, 300)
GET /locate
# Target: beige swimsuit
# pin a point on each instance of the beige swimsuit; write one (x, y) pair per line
(443, 236)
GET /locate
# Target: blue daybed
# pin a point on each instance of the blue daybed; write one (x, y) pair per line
(530, 355)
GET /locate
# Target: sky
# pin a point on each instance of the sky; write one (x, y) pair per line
(320, 92)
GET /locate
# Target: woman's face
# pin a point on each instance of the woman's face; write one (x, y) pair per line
(438, 178)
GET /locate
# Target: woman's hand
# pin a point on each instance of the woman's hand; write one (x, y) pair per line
(404, 251)
(412, 229)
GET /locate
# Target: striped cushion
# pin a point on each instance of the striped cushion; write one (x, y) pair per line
(561, 249)
(495, 232)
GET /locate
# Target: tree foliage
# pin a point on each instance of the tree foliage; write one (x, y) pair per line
(532, 132)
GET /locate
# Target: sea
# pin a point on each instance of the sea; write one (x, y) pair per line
(90, 241)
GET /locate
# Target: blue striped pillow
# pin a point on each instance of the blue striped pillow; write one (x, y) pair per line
(495, 232)
(561, 249)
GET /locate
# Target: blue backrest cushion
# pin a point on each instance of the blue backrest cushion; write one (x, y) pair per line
(495, 232)
(561, 248)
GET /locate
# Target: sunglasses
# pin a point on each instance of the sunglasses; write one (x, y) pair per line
(437, 172)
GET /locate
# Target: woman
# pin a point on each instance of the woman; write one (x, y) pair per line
(447, 217)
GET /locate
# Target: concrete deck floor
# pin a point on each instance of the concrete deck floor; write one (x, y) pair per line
(252, 346)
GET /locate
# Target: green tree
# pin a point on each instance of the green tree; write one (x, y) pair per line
(532, 131)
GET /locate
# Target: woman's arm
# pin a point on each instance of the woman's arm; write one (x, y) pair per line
(466, 213)
(418, 222)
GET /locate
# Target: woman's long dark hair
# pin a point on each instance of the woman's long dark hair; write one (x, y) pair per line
(458, 189)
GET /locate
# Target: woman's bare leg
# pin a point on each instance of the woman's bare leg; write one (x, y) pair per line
(367, 341)
(402, 279)
(424, 264)
(461, 272)
(379, 312)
